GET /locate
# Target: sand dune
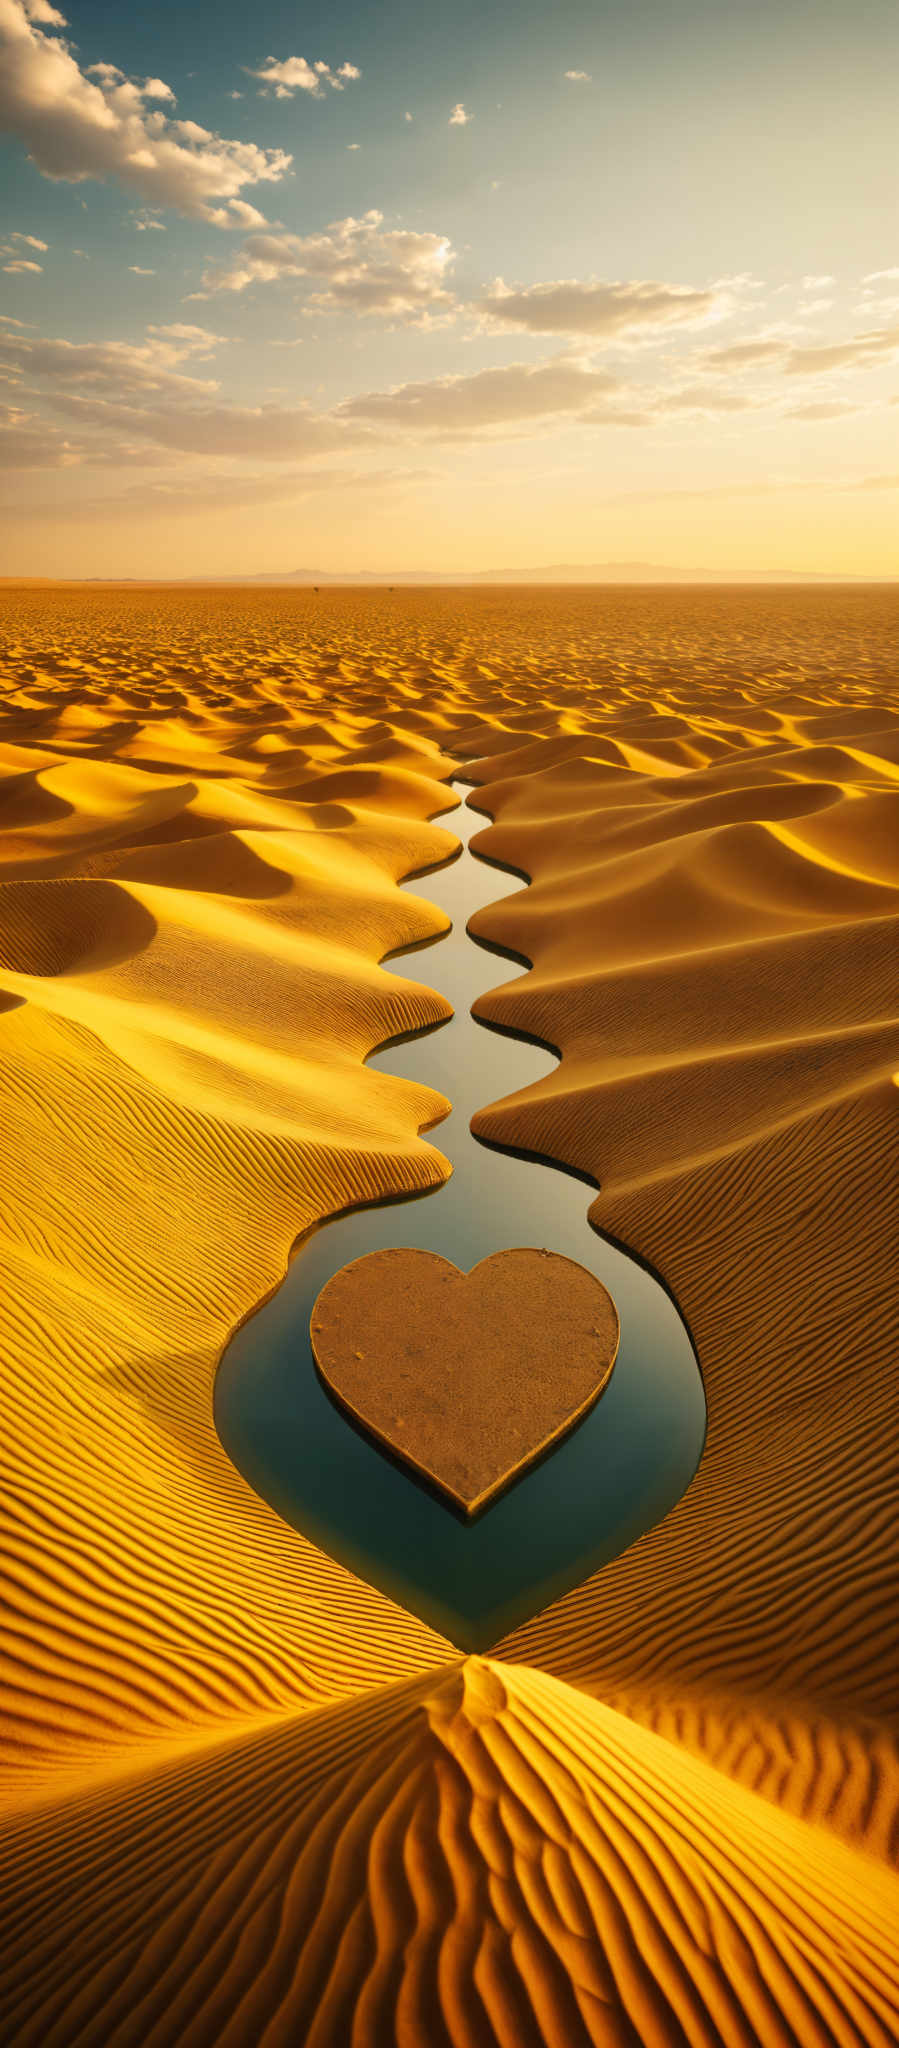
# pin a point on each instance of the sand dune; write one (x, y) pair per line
(493, 1857)
(664, 1810)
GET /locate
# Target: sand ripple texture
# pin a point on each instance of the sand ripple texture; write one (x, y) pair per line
(251, 1801)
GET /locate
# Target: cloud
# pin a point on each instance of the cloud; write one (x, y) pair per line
(702, 398)
(291, 75)
(507, 397)
(185, 496)
(358, 266)
(860, 352)
(153, 392)
(151, 366)
(833, 409)
(817, 284)
(579, 77)
(77, 126)
(139, 270)
(267, 433)
(31, 242)
(458, 117)
(745, 355)
(29, 443)
(20, 263)
(598, 308)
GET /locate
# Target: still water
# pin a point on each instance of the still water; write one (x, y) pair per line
(619, 1471)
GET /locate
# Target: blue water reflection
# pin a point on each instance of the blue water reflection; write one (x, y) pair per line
(621, 1469)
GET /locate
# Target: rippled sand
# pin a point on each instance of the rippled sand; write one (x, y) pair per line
(252, 1801)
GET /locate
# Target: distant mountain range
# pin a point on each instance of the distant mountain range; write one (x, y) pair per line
(557, 572)
(583, 573)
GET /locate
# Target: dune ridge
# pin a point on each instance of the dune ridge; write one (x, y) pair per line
(680, 1783)
(494, 1857)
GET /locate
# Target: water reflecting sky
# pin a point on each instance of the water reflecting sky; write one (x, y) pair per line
(620, 1469)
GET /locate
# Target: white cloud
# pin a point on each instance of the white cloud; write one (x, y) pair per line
(817, 284)
(458, 117)
(77, 126)
(407, 117)
(579, 77)
(596, 307)
(289, 75)
(139, 270)
(20, 263)
(358, 265)
(31, 241)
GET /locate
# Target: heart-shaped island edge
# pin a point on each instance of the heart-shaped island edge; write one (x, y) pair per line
(468, 1379)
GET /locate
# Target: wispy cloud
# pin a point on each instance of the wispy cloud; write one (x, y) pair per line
(597, 307)
(459, 118)
(507, 397)
(825, 409)
(579, 77)
(154, 392)
(152, 366)
(807, 359)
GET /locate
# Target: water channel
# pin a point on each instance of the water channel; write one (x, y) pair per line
(618, 1472)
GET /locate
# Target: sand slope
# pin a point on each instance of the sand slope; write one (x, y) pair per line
(208, 799)
(493, 1859)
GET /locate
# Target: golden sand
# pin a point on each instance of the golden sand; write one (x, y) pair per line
(255, 1801)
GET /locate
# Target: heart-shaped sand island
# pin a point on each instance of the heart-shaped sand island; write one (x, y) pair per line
(468, 1378)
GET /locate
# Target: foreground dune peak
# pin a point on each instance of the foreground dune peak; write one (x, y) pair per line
(508, 1861)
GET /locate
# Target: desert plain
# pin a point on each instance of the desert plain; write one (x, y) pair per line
(248, 1799)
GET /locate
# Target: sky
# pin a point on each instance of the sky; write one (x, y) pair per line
(494, 286)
